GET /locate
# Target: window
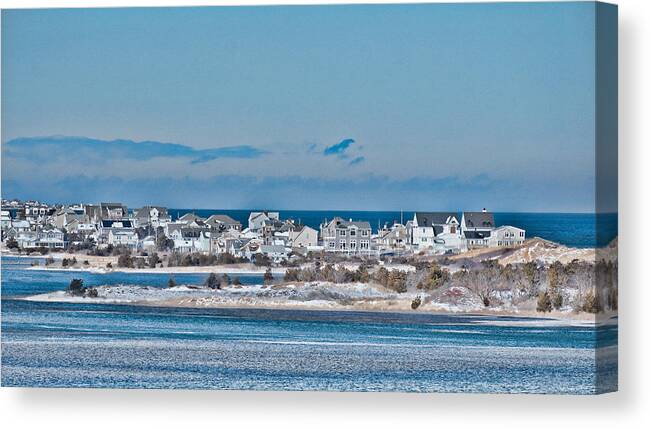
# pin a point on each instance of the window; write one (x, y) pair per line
(521, 233)
(365, 232)
(332, 244)
(363, 245)
(342, 245)
(342, 232)
(353, 232)
(353, 245)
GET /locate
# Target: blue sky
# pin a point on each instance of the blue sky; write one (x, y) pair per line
(415, 107)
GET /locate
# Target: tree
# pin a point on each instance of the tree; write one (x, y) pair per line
(212, 282)
(436, 277)
(544, 303)
(268, 276)
(125, 261)
(262, 260)
(76, 287)
(555, 276)
(163, 243)
(225, 282)
(92, 292)
(592, 303)
(416, 303)
(171, 282)
(291, 275)
(12, 244)
(153, 260)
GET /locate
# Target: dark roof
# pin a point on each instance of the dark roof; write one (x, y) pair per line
(109, 223)
(144, 211)
(479, 219)
(430, 219)
(471, 234)
(341, 223)
(222, 218)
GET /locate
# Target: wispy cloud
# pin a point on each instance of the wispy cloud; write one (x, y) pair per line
(357, 160)
(339, 149)
(94, 150)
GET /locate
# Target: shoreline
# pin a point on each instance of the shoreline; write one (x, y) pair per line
(227, 298)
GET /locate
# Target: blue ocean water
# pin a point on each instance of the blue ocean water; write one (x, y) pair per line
(571, 229)
(123, 346)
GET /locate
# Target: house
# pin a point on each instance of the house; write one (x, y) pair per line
(117, 232)
(257, 219)
(481, 221)
(506, 236)
(222, 222)
(5, 219)
(302, 236)
(348, 237)
(189, 218)
(113, 211)
(438, 231)
(477, 228)
(394, 238)
(151, 216)
(186, 239)
(47, 237)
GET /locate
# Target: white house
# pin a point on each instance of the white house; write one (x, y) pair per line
(257, 219)
(437, 231)
(506, 236)
(302, 236)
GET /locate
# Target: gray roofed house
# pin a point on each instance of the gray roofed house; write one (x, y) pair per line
(348, 237)
(481, 220)
(427, 227)
(222, 222)
(189, 218)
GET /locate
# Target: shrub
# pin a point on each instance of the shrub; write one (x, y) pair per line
(262, 260)
(64, 262)
(612, 298)
(557, 300)
(268, 276)
(212, 282)
(92, 292)
(544, 303)
(43, 250)
(109, 265)
(291, 275)
(76, 287)
(226, 280)
(49, 261)
(12, 244)
(591, 303)
(153, 260)
(86, 263)
(415, 303)
(171, 282)
(125, 261)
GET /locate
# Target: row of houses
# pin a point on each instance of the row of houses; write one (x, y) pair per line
(152, 228)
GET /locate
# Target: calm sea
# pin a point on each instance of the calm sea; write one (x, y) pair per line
(574, 230)
(121, 346)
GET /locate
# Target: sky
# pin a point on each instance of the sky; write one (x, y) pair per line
(385, 107)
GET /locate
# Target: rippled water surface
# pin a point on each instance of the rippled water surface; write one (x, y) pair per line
(100, 345)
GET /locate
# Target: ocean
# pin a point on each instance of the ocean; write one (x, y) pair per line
(571, 229)
(127, 346)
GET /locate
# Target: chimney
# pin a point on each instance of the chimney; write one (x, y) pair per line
(483, 210)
